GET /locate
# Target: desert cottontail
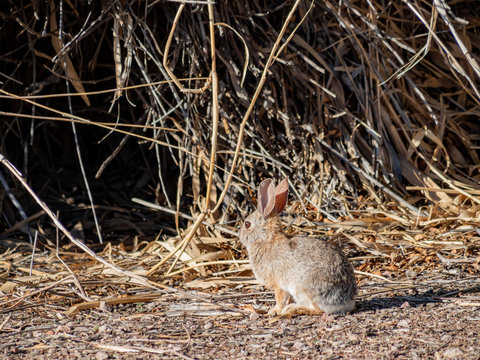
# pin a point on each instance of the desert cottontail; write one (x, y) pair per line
(313, 272)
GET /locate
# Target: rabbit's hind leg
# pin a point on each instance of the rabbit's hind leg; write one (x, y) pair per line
(306, 307)
(295, 309)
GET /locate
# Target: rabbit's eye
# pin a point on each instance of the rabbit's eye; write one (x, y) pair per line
(247, 224)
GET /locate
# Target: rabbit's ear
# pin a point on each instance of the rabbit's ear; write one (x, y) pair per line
(281, 195)
(266, 197)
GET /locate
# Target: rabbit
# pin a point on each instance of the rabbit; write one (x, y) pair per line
(315, 273)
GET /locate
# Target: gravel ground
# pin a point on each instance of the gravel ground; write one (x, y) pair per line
(438, 322)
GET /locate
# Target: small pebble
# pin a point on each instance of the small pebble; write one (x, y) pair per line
(403, 324)
(298, 345)
(208, 325)
(453, 353)
(101, 355)
(405, 305)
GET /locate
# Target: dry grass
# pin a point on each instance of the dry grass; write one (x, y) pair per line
(148, 157)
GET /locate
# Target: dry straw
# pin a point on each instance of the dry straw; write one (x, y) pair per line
(370, 108)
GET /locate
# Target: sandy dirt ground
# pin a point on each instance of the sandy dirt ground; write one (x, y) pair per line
(437, 317)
